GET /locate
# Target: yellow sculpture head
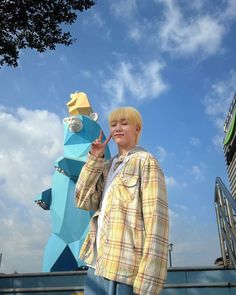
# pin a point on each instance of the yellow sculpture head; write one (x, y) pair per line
(79, 104)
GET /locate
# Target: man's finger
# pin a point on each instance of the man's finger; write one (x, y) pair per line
(108, 139)
(100, 136)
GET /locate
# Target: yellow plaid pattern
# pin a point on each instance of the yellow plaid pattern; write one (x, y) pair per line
(134, 238)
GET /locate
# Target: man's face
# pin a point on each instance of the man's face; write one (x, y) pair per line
(124, 133)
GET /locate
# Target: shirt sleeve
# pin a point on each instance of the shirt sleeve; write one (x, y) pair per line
(89, 186)
(153, 266)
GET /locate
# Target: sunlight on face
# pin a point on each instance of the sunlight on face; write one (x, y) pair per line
(124, 132)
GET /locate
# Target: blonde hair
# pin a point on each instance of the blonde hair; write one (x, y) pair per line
(128, 113)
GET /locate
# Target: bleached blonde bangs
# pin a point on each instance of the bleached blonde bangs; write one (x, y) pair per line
(128, 113)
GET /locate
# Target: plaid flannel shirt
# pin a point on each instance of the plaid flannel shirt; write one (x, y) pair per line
(134, 239)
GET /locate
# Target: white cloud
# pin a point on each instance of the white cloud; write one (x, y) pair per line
(124, 9)
(198, 172)
(31, 140)
(195, 141)
(98, 20)
(53, 91)
(230, 13)
(142, 30)
(176, 31)
(86, 74)
(181, 207)
(42, 60)
(95, 19)
(191, 240)
(127, 12)
(217, 104)
(196, 4)
(137, 82)
(171, 181)
(24, 234)
(135, 32)
(161, 153)
(183, 36)
(63, 59)
(172, 216)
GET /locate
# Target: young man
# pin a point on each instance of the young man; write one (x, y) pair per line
(127, 245)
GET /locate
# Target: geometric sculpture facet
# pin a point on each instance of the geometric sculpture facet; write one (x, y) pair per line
(79, 104)
(69, 224)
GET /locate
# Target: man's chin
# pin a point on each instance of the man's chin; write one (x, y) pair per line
(118, 140)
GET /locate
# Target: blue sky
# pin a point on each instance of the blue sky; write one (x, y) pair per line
(175, 62)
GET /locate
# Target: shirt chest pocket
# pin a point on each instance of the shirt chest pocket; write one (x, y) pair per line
(127, 188)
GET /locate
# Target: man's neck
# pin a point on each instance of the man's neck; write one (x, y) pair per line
(125, 150)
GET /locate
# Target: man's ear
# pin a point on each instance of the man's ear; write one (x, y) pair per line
(137, 129)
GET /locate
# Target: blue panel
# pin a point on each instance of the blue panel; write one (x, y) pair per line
(77, 278)
(73, 143)
(74, 246)
(211, 291)
(174, 292)
(6, 282)
(70, 167)
(66, 261)
(199, 291)
(69, 224)
(72, 151)
(216, 275)
(44, 199)
(75, 139)
(53, 250)
(59, 200)
(92, 128)
(176, 277)
(43, 280)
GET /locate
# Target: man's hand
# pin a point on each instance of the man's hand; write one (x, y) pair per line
(98, 147)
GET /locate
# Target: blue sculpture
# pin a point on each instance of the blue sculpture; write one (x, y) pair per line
(69, 224)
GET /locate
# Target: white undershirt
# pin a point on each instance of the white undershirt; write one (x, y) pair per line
(111, 175)
(104, 201)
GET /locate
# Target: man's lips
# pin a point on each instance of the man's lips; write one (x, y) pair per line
(119, 134)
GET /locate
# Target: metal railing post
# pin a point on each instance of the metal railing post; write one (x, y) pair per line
(225, 206)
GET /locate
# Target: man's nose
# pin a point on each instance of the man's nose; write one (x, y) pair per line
(118, 127)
